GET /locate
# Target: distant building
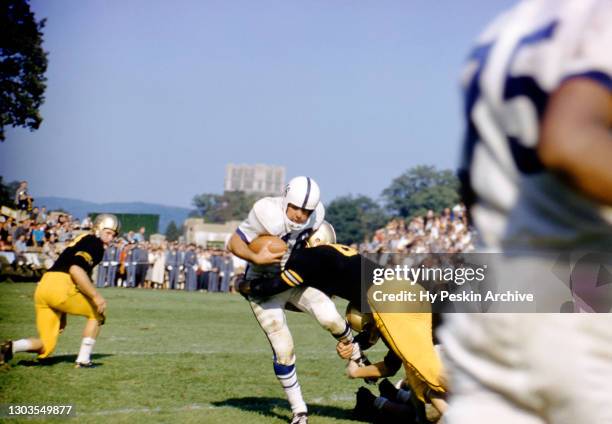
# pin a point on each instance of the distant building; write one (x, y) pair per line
(259, 178)
(208, 235)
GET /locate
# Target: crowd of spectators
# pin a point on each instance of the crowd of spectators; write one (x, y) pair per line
(167, 265)
(34, 238)
(446, 232)
(38, 237)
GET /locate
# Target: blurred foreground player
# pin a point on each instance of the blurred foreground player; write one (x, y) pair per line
(538, 178)
(67, 289)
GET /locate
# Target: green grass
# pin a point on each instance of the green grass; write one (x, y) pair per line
(173, 357)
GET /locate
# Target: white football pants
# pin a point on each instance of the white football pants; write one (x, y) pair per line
(270, 313)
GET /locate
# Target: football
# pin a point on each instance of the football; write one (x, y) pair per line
(275, 244)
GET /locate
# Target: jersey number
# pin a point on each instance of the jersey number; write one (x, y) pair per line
(345, 250)
(525, 86)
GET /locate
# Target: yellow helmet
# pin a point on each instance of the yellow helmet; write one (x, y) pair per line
(324, 235)
(361, 322)
(106, 221)
(357, 319)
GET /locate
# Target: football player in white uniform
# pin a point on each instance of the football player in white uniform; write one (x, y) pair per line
(538, 173)
(292, 217)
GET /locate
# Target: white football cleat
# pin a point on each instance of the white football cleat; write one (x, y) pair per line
(300, 418)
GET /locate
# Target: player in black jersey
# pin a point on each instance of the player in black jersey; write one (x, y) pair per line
(67, 289)
(338, 270)
(335, 269)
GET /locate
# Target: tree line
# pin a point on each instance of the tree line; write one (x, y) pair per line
(354, 217)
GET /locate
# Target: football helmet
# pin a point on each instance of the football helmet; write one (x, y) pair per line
(361, 323)
(302, 192)
(357, 319)
(324, 235)
(106, 221)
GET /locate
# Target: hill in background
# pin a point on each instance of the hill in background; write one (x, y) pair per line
(81, 208)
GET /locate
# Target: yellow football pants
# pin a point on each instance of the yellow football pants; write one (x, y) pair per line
(57, 294)
(409, 334)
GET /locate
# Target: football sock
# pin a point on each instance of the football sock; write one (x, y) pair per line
(346, 336)
(379, 402)
(287, 377)
(356, 355)
(22, 345)
(86, 347)
(403, 395)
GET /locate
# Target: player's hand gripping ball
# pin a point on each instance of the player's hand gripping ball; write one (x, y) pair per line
(275, 244)
(268, 250)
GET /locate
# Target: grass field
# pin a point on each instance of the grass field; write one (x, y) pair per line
(174, 357)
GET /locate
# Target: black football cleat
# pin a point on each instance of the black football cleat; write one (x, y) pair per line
(388, 390)
(6, 352)
(364, 407)
(85, 365)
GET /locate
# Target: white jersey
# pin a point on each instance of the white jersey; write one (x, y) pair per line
(518, 62)
(268, 217)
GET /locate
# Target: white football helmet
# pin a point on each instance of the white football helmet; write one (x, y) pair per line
(302, 192)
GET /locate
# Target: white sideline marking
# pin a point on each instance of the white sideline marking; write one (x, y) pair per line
(197, 407)
(334, 398)
(304, 353)
(152, 410)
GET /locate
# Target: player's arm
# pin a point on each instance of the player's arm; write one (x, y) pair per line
(85, 286)
(293, 275)
(263, 286)
(241, 249)
(390, 365)
(379, 369)
(249, 230)
(575, 137)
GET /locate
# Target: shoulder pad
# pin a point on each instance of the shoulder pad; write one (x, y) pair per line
(269, 212)
(90, 240)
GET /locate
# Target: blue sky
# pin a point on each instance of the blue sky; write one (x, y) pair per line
(149, 100)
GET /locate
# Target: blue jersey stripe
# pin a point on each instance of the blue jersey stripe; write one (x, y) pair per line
(242, 236)
(597, 76)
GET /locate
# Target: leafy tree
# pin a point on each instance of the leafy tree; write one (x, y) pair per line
(229, 206)
(354, 218)
(7, 193)
(419, 189)
(205, 204)
(23, 63)
(172, 232)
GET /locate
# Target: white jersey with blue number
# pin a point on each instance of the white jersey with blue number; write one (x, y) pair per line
(517, 63)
